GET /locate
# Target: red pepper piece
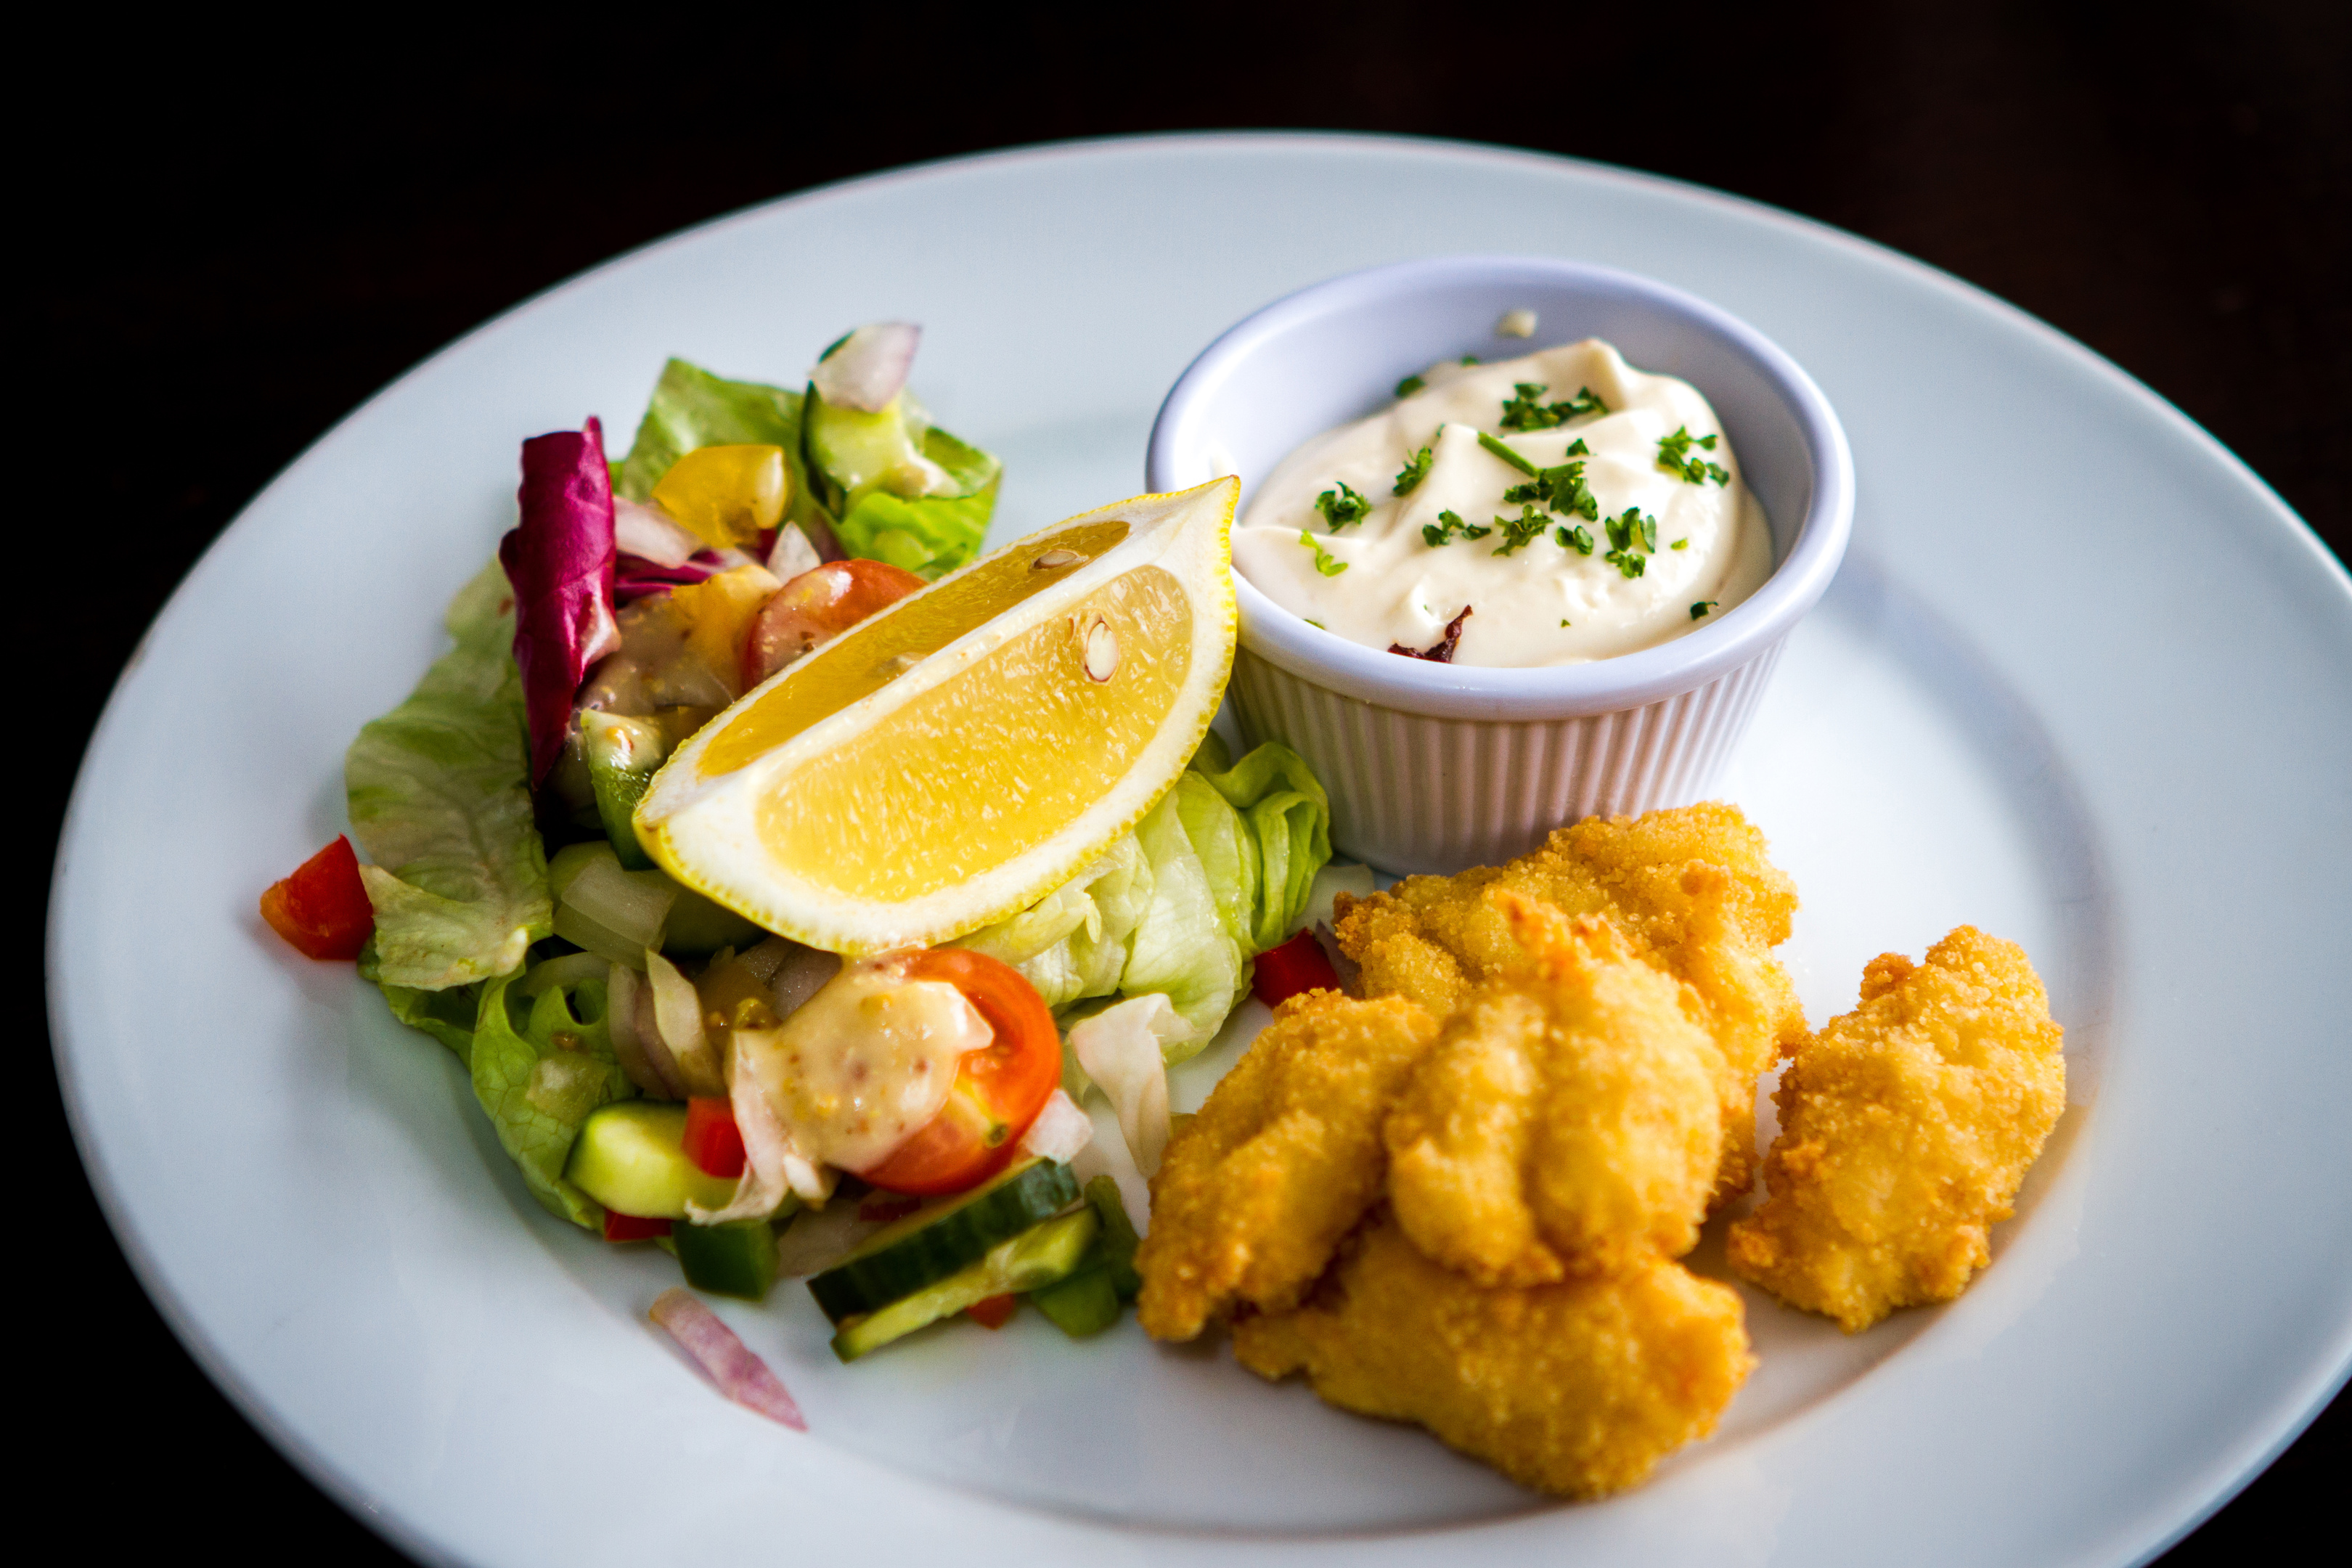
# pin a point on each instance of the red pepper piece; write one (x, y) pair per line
(629, 1227)
(1298, 965)
(322, 908)
(992, 1312)
(713, 1142)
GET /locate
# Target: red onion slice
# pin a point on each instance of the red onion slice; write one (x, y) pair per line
(867, 371)
(740, 1373)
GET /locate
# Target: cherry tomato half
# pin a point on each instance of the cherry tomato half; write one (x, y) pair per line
(998, 1090)
(820, 604)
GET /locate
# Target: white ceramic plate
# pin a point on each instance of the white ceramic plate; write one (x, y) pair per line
(2085, 682)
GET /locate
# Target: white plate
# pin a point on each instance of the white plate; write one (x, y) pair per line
(2085, 682)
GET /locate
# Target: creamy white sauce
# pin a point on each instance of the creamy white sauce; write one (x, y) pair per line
(862, 1065)
(1544, 603)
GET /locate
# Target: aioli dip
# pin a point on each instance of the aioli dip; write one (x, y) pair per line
(1669, 549)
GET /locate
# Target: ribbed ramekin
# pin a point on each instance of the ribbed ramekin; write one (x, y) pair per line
(1434, 767)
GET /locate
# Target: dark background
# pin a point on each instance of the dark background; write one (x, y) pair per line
(233, 240)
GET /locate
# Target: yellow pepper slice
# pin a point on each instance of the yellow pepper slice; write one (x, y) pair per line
(725, 496)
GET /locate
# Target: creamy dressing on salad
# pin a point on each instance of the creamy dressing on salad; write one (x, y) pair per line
(862, 1065)
(1538, 592)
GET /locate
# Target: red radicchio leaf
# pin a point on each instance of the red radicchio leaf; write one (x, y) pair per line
(560, 562)
(1442, 650)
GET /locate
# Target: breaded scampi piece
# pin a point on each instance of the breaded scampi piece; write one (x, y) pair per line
(1566, 1123)
(1905, 1128)
(1255, 1191)
(1578, 1389)
(1692, 889)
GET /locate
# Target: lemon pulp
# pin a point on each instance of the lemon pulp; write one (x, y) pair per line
(871, 656)
(993, 762)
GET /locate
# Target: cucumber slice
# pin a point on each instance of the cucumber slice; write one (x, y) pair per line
(1083, 1304)
(941, 1238)
(1042, 1256)
(737, 1258)
(630, 1157)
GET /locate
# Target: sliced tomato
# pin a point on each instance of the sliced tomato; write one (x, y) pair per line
(1297, 965)
(820, 604)
(998, 1090)
(629, 1227)
(993, 1311)
(322, 908)
(712, 1140)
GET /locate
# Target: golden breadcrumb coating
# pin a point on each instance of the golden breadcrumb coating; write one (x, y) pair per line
(1578, 1389)
(1905, 1128)
(1567, 1121)
(1255, 1191)
(1692, 889)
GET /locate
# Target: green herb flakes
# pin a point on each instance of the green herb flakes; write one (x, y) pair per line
(1410, 386)
(1409, 478)
(1502, 449)
(1702, 607)
(1449, 527)
(1526, 410)
(1679, 544)
(1579, 539)
(1521, 530)
(1325, 562)
(1342, 508)
(1674, 456)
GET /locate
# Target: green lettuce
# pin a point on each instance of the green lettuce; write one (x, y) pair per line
(932, 534)
(1215, 874)
(448, 1016)
(540, 1064)
(439, 796)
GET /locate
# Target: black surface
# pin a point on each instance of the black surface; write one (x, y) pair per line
(234, 239)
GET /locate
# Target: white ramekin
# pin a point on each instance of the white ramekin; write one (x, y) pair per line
(1434, 767)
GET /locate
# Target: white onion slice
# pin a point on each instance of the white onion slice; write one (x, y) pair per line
(804, 972)
(819, 1238)
(1060, 1131)
(767, 1152)
(650, 533)
(738, 1371)
(678, 1019)
(793, 554)
(869, 367)
(1120, 1048)
(632, 905)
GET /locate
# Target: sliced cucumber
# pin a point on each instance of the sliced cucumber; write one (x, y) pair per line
(1033, 1261)
(737, 1258)
(1083, 1304)
(942, 1238)
(630, 1157)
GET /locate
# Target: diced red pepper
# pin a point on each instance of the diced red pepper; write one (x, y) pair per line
(322, 908)
(992, 1312)
(1298, 965)
(713, 1142)
(629, 1227)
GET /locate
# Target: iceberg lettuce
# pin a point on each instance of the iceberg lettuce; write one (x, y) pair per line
(439, 796)
(1215, 873)
(539, 1064)
(690, 408)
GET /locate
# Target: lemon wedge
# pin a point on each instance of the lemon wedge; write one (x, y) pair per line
(958, 756)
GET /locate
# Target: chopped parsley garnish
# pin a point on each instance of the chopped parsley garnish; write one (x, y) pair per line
(1325, 562)
(1579, 539)
(1342, 508)
(1527, 411)
(1521, 530)
(1675, 458)
(1411, 384)
(1637, 524)
(1628, 564)
(1409, 478)
(1318, 626)
(1563, 620)
(1448, 527)
(1469, 359)
(1702, 607)
(1502, 449)
(1679, 544)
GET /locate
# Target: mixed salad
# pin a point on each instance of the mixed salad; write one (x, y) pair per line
(605, 1012)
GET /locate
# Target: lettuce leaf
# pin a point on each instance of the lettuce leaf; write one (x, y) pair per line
(1219, 871)
(447, 1015)
(561, 560)
(930, 535)
(540, 1064)
(439, 796)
